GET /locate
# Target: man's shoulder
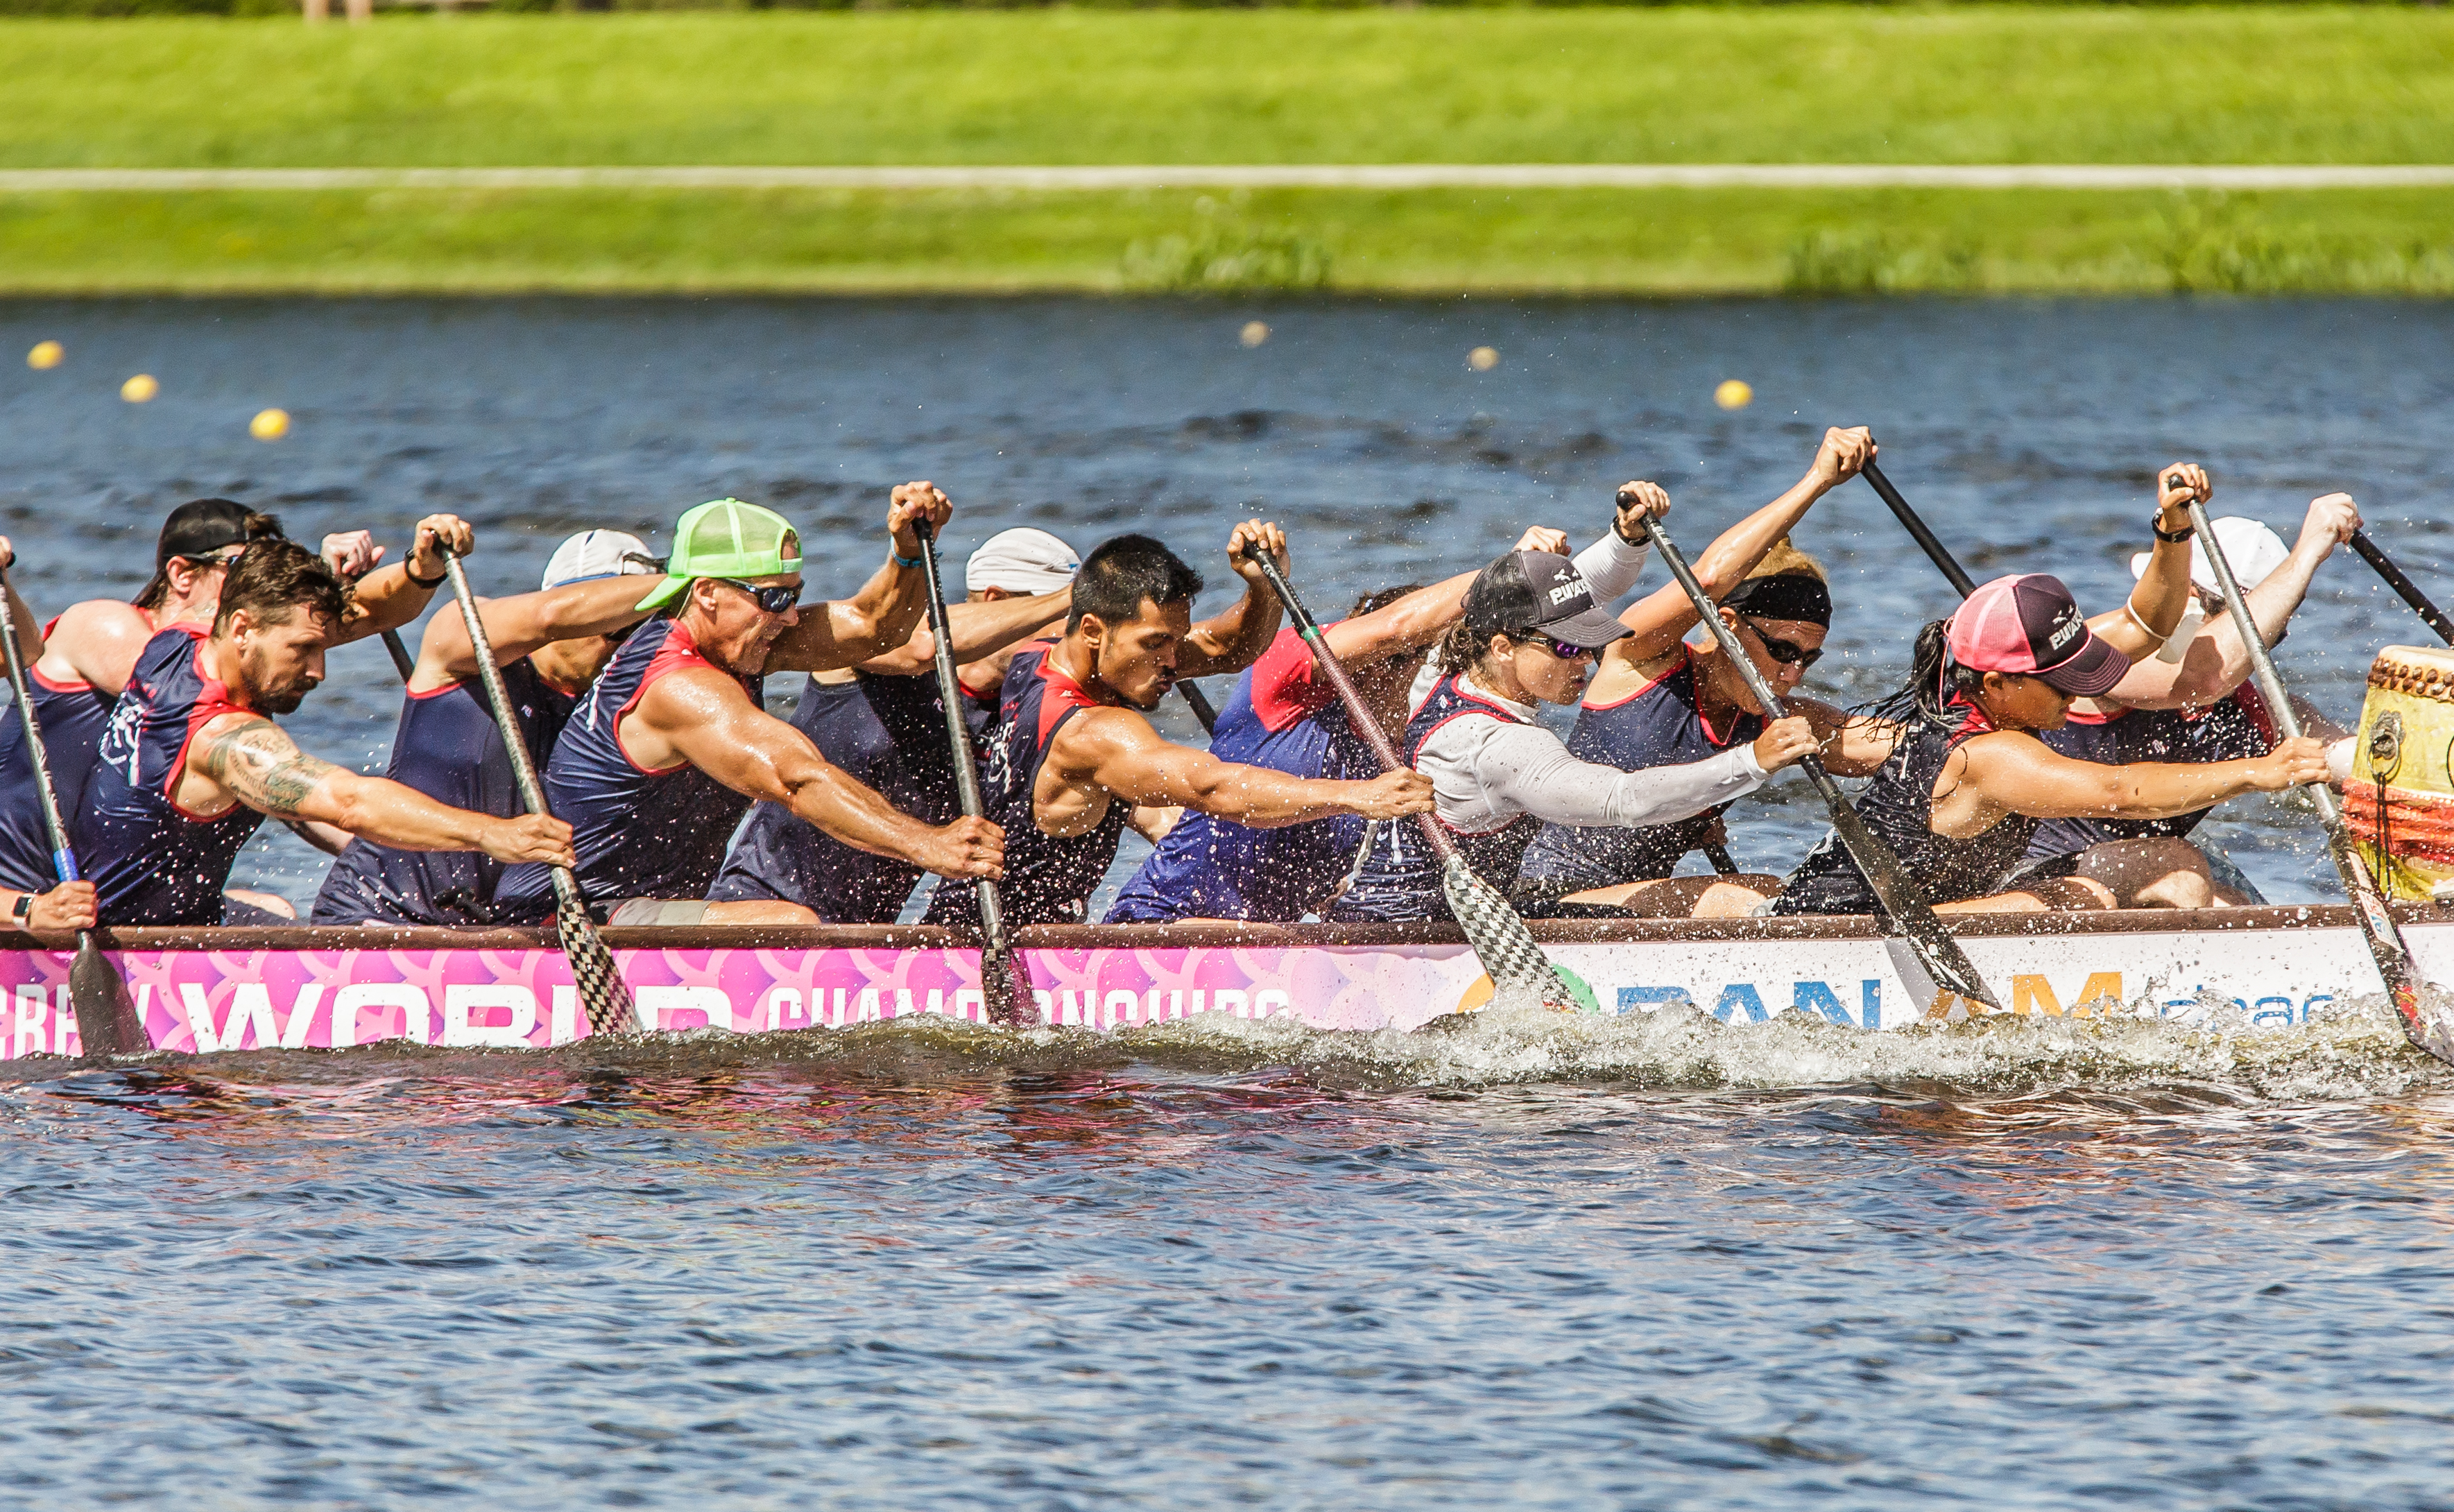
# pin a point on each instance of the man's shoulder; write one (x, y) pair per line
(690, 691)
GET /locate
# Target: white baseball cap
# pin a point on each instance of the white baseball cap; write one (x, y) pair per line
(2252, 549)
(592, 554)
(1021, 560)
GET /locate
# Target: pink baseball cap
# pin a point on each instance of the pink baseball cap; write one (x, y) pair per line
(2030, 624)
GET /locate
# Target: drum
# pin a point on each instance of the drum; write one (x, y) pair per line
(2399, 802)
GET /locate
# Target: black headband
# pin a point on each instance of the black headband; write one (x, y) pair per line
(1783, 595)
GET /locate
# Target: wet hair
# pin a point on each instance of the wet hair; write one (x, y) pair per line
(1120, 574)
(274, 579)
(1382, 599)
(254, 524)
(1934, 680)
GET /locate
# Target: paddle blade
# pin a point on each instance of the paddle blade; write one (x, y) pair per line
(1005, 990)
(1514, 962)
(602, 996)
(106, 1016)
(2427, 1021)
(1945, 965)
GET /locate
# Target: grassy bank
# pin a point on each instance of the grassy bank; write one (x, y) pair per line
(1977, 85)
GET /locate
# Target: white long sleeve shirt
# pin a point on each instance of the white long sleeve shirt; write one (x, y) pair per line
(1486, 771)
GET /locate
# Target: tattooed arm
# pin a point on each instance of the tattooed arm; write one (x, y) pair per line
(254, 760)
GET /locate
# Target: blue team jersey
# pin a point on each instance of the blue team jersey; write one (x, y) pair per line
(150, 861)
(73, 715)
(638, 834)
(448, 748)
(1284, 718)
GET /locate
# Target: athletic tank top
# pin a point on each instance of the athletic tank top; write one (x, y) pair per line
(1398, 877)
(73, 715)
(2232, 729)
(1284, 718)
(1899, 806)
(1049, 879)
(448, 748)
(888, 732)
(1658, 725)
(638, 834)
(151, 861)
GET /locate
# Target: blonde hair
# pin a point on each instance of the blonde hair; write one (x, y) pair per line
(1784, 560)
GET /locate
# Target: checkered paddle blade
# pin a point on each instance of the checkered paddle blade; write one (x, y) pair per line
(1500, 937)
(602, 996)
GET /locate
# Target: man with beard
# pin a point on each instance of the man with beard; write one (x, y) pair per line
(672, 745)
(1075, 757)
(190, 763)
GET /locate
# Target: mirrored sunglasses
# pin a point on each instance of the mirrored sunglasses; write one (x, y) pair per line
(775, 600)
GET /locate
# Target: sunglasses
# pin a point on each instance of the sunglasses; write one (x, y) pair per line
(775, 600)
(1784, 652)
(1564, 650)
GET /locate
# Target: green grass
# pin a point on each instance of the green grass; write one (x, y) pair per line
(1805, 84)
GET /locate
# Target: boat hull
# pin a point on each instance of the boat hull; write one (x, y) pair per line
(202, 991)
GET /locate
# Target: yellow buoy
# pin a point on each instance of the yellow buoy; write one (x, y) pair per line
(1482, 359)
(1733, 393)
(269, 425)
(139, 389)
(46, 356)
(1253, 333)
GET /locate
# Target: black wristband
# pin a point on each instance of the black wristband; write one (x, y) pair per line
(427, 584)
(2173, 538)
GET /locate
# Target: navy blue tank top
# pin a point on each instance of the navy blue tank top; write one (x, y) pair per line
(1658, 725)
(1399, 877)
(73, 715)
(1899, 806)
(638, 834)
(2233, 729)
(1284, 718)
(151, 861)
(448, 748)
(888, 732)
(1049, 879)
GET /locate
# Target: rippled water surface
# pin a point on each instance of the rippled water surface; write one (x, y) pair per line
(1530, 1262)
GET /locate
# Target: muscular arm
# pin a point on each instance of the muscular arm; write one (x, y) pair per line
(523, 622)
(851, 631)
(384, 599)
(979, 630)
(251, 759)
(1115, 749)
(1855, 745)
(1408, 625)
(1232, 641)
(2010, 772)
(2217, 660)
(704, 717)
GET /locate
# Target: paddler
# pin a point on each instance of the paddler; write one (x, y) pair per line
(1074, 759)
(551, 645)
(38, 900)
(1284, 715)
(883, 723)
(1971, 782)
(670, 746)
(2192, 701)
(1532, 628)
(1657, 700)
(190, 761)
(87, 652)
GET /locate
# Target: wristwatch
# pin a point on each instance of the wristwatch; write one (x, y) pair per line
(23, 909)
(2172, 537)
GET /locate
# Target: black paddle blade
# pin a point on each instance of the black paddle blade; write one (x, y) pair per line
(1931, 945)
(106, 1017)
(1500, 939)
(602, 996)
(1005, 990)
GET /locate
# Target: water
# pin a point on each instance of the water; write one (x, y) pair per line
(1534, 1261)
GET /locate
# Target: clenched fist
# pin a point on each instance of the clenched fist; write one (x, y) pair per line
(965, 849)
(1270, 538)
(1394, 794)
(1784, 743)
(2295, 763)
(1636, 500)
(70, 905)
(913, 502)
(1843, 454)
(530, 837)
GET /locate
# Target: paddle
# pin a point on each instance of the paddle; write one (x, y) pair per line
(2432, 1030)
(106, 1018)
(401, 661)
(1500, 939)
(1917, 528)
(1719, 856)
(601, 992)
(2409, 589)
(1005, 989)
(1200, 702)
(1932, 950)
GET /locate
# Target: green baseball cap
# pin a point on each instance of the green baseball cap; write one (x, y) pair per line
(726, 538)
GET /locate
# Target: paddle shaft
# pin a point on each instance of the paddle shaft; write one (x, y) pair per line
(2394, 962)
(402, 661)
(1910, 915)
(106, 1026)
(1201, 704)
(2405, 586)
(1719, 856)
(1934, 549)
(609, 1007)
(1001, 986)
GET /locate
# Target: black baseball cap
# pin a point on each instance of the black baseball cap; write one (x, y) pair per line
(202, 527)
(1541, 592)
